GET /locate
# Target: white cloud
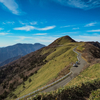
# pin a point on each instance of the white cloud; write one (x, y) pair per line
(9, 22)
(28, 28)
(65, 26)
(46, 28)
(75, 28)
(98, 30)
(45, 39)
(88, 38)
(20, 38)
(3, 33)
(33, 23)
(28, 23)
(40, 34)
(1, 29)
(35, 39)
(12, 6)
(70, 33)
(90, 24)
(22, 23)
(82, 4)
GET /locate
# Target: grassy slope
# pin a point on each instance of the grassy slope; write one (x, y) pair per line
(89, 78)
(87, 84)
(91, 73)
(60, 58)
(80, 48)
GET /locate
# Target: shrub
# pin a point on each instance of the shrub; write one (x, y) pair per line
(30, 80)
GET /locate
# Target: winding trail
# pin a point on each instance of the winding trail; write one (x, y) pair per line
(75, 71)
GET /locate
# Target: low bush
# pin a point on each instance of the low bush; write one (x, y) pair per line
(79, 92)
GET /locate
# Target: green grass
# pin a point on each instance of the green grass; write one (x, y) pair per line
(58, 52)
(47, 50)
(95, 95)
(59, 59)
(91, 73)
(62, 41)
(78, 92)
(81, 47)
(87, 84)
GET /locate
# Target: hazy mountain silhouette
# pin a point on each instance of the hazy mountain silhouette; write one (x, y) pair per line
(16, 50)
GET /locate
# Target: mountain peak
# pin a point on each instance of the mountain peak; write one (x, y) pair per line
(62, 40)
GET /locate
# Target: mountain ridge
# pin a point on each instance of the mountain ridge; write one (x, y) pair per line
(18, 49)
(62, 41)
(29, 65)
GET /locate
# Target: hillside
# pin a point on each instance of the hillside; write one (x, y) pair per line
(34, 65)
(10, 60)
(62, 41)
(41, 67)
(97, 44)
(85, 86)
(17, 50)
(89, 51)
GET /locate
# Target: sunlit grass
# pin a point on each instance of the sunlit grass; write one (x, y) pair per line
(95, 95)
(81, 47)
(91, 73)
(88, 79)
(59, 59)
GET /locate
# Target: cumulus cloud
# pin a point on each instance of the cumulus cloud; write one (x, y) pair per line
(82, 4)
(12, 6)
(90, 24)
(28, 28)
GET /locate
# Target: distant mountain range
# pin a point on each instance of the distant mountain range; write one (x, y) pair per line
(14, 52)
(10, 60)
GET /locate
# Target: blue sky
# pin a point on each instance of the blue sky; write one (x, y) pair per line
(43, 21)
